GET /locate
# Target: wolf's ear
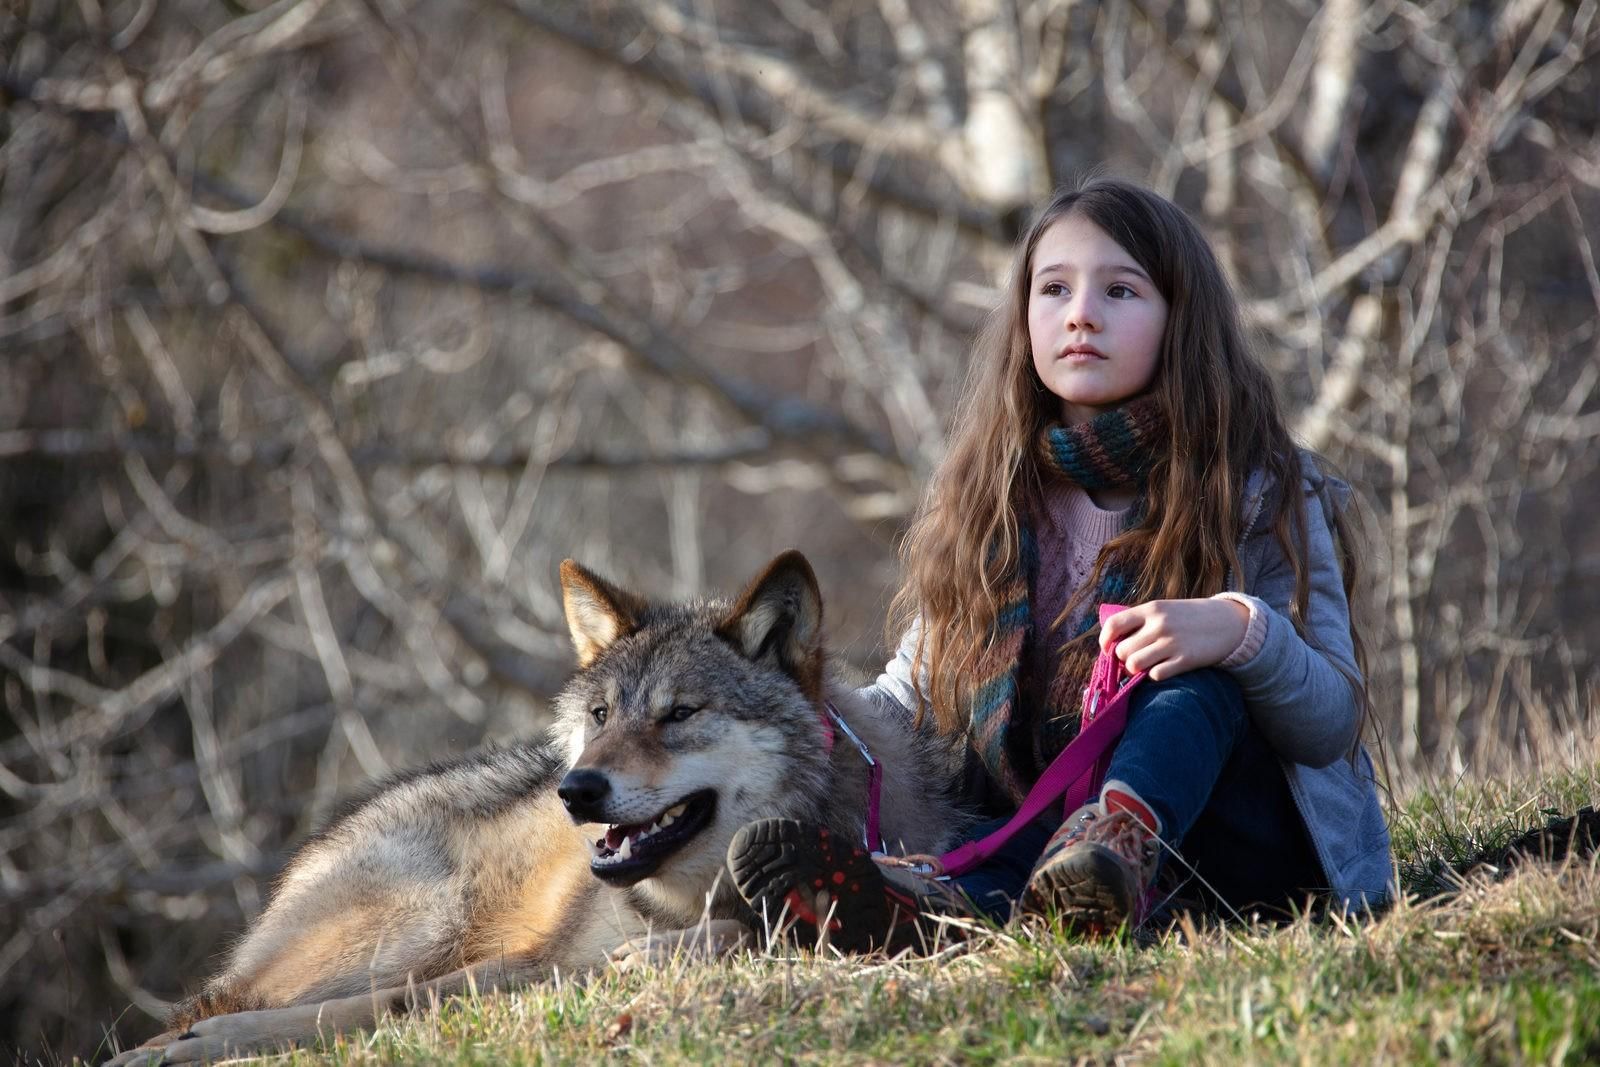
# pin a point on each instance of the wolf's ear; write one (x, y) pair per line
(779, 617)
(597, 612)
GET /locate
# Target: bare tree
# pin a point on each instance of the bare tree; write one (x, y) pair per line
(331, 326)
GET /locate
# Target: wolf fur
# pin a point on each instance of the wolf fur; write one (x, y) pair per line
(506, 867)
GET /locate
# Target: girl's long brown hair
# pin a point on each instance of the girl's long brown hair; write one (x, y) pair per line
(1224, 421)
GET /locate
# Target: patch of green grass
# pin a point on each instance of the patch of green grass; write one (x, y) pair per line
(1439, 832)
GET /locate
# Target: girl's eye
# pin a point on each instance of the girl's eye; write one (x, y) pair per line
(599, 714)
(1052, 289)
(1120, 291)
(681, 712)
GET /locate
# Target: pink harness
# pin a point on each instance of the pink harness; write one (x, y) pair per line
(832, 718)
(1077, 771)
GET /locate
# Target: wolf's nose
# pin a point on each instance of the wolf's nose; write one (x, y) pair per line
(583, 790)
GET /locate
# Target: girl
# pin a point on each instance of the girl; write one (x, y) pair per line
(1118, 444)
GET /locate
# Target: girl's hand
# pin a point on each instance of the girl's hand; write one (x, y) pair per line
(1169, 637)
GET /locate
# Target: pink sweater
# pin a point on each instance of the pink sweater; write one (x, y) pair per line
(1070, 539)
(1072, 534)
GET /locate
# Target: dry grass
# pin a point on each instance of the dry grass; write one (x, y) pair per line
(1505, 971)
(1499, 966)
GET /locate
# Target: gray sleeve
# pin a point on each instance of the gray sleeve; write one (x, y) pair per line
(1303, 696)
(895, 690)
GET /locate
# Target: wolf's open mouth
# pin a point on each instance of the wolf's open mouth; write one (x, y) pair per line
(632, 851)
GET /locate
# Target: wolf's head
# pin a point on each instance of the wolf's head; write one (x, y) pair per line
(687, 721)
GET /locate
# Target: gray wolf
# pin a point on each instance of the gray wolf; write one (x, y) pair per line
(503, 868)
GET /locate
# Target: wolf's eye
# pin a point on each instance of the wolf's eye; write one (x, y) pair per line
(681, 712)
(599, 714)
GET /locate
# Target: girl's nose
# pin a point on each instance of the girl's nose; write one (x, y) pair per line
(1082, 314)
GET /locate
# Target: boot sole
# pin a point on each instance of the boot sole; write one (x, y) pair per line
(1088, 887)
(827, 890)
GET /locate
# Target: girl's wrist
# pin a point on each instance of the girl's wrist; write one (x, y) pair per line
(1255, 630)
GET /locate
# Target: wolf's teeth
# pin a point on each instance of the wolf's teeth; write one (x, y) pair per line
(666, 820)
(674, 812)
(626, 850)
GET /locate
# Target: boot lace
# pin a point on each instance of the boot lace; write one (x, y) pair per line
(1122, 833)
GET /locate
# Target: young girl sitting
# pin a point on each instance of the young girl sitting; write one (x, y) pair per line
(1118, 443)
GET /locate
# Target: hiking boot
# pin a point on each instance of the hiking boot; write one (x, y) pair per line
(804, 880)
(1096, 871)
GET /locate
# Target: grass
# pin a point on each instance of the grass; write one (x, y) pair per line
(1499, 966)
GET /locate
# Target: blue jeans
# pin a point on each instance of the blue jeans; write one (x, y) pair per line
(1191, 751)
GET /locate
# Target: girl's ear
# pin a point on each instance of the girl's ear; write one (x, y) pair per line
(778, 620)
(597, 612)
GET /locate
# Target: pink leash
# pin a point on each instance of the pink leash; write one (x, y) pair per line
(1079, 768)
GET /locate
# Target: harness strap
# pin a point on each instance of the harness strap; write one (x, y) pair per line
(825, 715)
(870, 835)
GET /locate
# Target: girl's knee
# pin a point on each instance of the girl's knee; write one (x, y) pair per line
(1213, 687)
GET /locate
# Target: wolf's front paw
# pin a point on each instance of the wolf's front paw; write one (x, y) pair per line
(222, 1037)
(146, 1055)
(706, 940)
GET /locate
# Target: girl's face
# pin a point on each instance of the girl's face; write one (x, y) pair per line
(1095, 319)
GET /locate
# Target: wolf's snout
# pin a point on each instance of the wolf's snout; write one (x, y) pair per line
(583, 791)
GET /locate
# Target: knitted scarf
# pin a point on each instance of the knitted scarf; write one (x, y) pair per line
(1115, 450)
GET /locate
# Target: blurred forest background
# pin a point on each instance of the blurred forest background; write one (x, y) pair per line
(330, 327)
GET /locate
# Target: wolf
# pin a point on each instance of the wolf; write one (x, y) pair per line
(682, 724)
